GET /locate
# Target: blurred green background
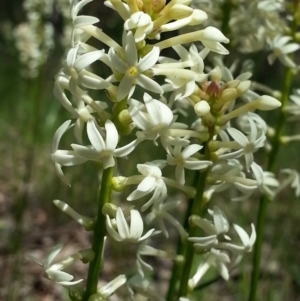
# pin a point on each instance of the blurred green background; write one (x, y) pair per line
(31, 224)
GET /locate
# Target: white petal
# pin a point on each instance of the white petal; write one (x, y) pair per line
(149, 60)
(147, 235)
(242, 234)
(126, 149)
(84, 20)
(59, 276)
(122, 224)
(95, 136)
(116, 62)
(148, 184)
(111, 231)
(238, 136)
(148, 84)
(179, 174)
(190, 150)
(86, 152)
(112, 136)
(130, 50)
(87, 59)
(68, 158)
(52, 254)
(124, 87)
(220, 222)
(58, 134)
(60, 174)
(136, 194)
(136, 224)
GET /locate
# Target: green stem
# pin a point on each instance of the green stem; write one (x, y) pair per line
(180, 251)
(189, 250)
(261, 216)
(226, 7)
(99, 234)
(197, 207)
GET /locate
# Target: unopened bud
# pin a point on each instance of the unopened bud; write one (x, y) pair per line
(228, 95)
(109, 209)
(86, 255)
(216, 74)
(193, 220)
(158, 5)
(233, 83)
(266, 103)
(179, 11)
(118, 183)
(243, 87)
(124, 117)
(202, 108)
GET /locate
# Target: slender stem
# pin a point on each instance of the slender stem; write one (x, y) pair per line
(261, 216)
(194, 207)
(99, 234)
(197, 206)
(227, 7)
(180, 251)
(189, 250)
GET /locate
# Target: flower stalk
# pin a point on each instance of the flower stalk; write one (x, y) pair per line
(276, 141)
(98, 236)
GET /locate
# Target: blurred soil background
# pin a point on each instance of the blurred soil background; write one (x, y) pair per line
(31, 224)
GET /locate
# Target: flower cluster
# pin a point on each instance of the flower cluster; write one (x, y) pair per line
(218, 140)
(34, 38)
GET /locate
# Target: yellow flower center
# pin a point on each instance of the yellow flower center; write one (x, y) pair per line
(132, 71)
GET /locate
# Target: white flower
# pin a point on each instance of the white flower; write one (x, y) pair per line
(133, 68)
(215, 258)
(124, 232)
(63, 157)
(216, 230)
(246, 145)
(157, 119)
(247, 241)
(293, 179)
(281, 49)
(269, 184)
(183, 159)
(79, 21)
(54, 271)
(152, 181)
(76, 64)
(142, 24)
(80, 111)
(227, 174)
(109, 288)
(294, 107)
(145, 250)
(179, 81)
(100, 150)
(159, 214)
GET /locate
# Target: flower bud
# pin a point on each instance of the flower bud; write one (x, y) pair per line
(214, 35)
(202, 108)
(233, 83)
(86, 255)
(266, 103)
(109, 209)
(243, 87)
(216, 74)
(124, 117)
(118, 183)
(228, 95)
